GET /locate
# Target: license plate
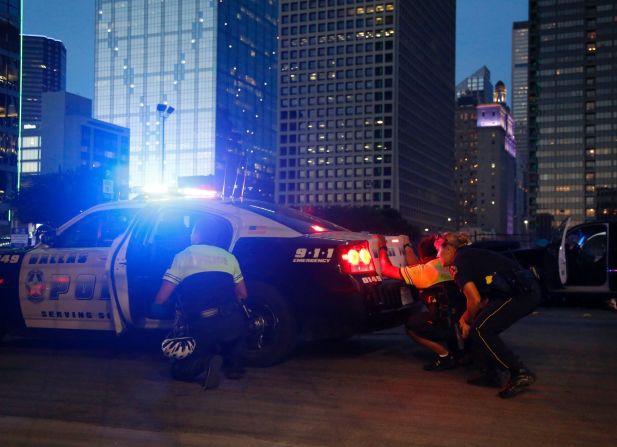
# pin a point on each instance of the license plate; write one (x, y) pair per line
(406, 297)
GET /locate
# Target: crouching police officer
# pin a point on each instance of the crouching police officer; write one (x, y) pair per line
(498, 293)
(431, 327)
(209, 287)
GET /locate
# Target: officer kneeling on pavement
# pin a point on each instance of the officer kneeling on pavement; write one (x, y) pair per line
(498, 292)
(209, 289)
(434, 325)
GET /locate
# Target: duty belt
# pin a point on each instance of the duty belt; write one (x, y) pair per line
(224, 310)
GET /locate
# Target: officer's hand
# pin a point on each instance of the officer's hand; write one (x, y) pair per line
(158, 310)
(464, 328)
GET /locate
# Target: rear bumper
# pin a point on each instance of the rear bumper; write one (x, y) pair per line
(386, 306)
(354, 309)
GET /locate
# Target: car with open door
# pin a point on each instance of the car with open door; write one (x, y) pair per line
(581, 262)
(307, 278)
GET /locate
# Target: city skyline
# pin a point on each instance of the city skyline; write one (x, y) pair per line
(489, 44)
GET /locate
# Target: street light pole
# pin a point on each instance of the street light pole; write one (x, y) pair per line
(164, 112)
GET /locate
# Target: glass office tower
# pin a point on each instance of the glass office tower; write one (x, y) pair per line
(572, 103)
(366, 106)
(520, 66)
(44, 70)
(214, 63)
(10, 12)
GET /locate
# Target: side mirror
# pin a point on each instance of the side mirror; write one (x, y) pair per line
(45, 234)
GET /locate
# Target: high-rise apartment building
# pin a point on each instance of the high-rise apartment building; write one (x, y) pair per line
(572, 103)
(471, 91)
(520, 90)
(466, 161)
(214, 62)
(485, 166)
(366, 115)
(44, 70)
(10, 42)
(496, 168)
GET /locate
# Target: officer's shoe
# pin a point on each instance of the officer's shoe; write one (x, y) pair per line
(518, 383)
(441, 363)
(212, 377)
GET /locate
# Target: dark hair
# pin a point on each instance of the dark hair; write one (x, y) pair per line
(211, 231)
(426, 247)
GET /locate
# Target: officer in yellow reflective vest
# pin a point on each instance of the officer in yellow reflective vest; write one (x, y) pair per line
(210, 286)
(428, 327)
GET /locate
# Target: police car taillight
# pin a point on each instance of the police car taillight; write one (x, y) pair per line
(356, 258)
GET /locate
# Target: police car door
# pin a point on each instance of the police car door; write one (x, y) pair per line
(64, 285)
(140, 260)
(561, 257)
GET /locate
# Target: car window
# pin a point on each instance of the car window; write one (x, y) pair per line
(173, 227)
(98, 229)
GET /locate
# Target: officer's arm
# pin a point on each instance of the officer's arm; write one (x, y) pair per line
(167, 288)
(387, 269)
(241, 292)
(410, 256)
(473, 301)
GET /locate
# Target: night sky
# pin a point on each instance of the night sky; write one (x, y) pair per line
(483, 36)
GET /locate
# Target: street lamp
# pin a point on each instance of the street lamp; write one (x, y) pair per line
(164, 112)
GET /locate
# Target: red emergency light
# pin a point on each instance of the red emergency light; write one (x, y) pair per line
(356, 258)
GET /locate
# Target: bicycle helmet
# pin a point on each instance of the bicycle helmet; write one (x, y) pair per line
(178, 348)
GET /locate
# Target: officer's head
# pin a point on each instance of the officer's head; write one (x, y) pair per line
(209, 231)
(446, 245)
(426, 248)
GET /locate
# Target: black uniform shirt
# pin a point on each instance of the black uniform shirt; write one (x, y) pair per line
(479, 266)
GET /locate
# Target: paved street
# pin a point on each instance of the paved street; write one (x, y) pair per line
(367, 391)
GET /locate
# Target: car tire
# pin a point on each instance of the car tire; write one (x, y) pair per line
(272, 328)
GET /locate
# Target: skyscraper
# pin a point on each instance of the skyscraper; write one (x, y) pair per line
(44, 70)
(496, 166)
(214, 62)
(475, 89)
(477, 85)
(366, 110)
(485, 162)
(10, 15)
(520, 66)
(572, 103)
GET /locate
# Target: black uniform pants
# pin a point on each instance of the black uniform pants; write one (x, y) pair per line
(224, 334)
(487, 346)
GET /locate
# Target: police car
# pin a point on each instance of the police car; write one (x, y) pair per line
(307, 278)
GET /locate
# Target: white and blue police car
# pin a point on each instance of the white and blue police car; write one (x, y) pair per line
(307, 278)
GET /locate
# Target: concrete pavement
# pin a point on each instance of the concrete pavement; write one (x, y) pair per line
(367, 391)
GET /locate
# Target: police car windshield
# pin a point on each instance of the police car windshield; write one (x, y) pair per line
(294, 219)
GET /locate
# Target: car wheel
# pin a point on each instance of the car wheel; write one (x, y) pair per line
(272, 328)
